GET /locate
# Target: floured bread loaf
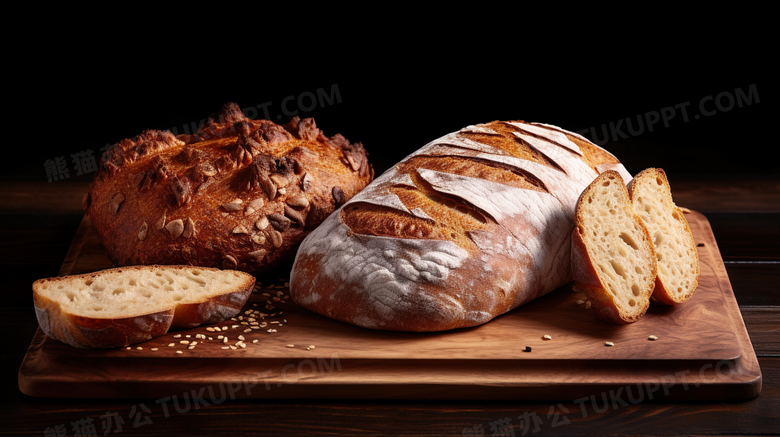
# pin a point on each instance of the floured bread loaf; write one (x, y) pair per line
(466, 228)
(123, 306)
(675, 250)
(239, 194)
(612, 255)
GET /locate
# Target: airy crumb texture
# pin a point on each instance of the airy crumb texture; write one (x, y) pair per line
(122, 306)
(613, 257)
(129, 292)
(675, 250)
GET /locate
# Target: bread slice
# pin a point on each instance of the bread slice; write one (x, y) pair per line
(613, 261)
(675, 250)
(127, 305)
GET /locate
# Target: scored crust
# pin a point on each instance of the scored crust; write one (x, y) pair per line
(85, 311)
(466, 228)
(678, 260)
(238, 194)
(613, 260)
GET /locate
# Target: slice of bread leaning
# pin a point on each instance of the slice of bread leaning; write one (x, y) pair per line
(127, 305)
(675, 250)
(613, 261)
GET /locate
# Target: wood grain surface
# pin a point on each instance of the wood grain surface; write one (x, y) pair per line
(36, 237)
(484, 362)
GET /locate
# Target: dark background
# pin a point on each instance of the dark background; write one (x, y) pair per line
(80, 93)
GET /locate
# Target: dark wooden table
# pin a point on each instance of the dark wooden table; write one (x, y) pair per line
(39, 220)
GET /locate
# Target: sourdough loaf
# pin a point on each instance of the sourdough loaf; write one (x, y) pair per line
(122, 306)
(466, 228)
(613, 259)
(238, 194)
(675, 250)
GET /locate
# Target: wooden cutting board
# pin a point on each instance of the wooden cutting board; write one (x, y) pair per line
(702, 353)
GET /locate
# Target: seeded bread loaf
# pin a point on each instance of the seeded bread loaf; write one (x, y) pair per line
(122, 306)
(466, 228)
(675, 250)
(238, 194)
(613, 260)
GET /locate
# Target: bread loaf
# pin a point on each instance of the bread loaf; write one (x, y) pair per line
(675, 250)
(123, 306)
(238, 194)
(613, 260)
(466, 228)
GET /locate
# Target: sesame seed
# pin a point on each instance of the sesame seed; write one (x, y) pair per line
(241, 337)
(652, 338)
(290, 345)
(547, 337)
(235, 326)
(211, 338)
(248, 330)
(154, 348)
(242, 345)
(225, 347)
(286, 284)
(128, 348)
(177, 336)
(187, 336)
(179, 352)
(184, 342)
(224, 328)
(609, 343)
(311, 346)
(275, 321)
(216, 328)
(580, 301)
(193, 343)
(225, 340)
(220, 337)
(233, 347)
(170, 344)
(190, 347)
(266, 294)
(254, 304)
(255, 341)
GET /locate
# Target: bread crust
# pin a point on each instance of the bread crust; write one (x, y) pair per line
(206, 199)
(92, 332)
(586, 277)
(662, 293)
(435, 244)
